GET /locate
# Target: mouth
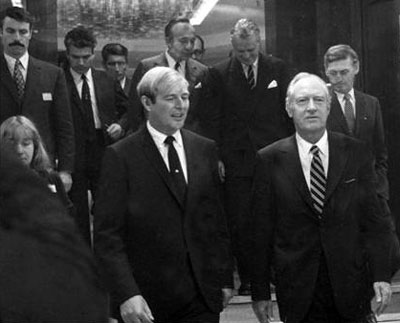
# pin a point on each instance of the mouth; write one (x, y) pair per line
(178, 116)
(17, 44)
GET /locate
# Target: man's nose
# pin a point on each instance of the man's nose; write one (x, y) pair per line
(311, 105)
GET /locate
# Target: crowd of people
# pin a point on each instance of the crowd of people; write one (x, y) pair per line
(137, 198)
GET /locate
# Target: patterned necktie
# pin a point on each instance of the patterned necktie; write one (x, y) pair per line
(317, 180)
(250, 77)
(349, 112)
(19, 79)
(87, 105)
(175, 168)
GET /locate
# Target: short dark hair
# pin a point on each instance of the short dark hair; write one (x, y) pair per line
(80, 37)
(114, 49)
(201, 41)
(171, 24)
(18, 14)
(339, 52)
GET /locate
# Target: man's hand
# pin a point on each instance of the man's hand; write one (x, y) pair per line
(263, 311)
(114, 131)
(221, 171)
(136, 310)
(227, 294)
(66, 179)
(383, 294)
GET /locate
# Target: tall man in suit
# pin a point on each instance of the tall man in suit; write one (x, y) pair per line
(99, 116)
(36, 90)
(203, 117)
(252, 92)
(317, 220)
(115, 62)
(159, 229)
(355, 113)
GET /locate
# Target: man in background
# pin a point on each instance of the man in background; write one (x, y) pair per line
(198, 49)
(35, 89)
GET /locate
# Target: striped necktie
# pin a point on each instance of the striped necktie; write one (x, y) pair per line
(317, 180)
(19, 79)
(250, 77)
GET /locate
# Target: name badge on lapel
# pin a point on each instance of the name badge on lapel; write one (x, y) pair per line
(47, 97)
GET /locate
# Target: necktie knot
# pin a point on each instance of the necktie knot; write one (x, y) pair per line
(250, 77)
(83, 77)
(169, 140)
(177, 66)
(314, 150)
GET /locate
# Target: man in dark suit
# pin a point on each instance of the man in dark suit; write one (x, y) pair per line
(115, 62)
(317, 220)
(36, 90)
(159, 229)
(364, 120)
(203, 117)
(253, 116)
(99, 115)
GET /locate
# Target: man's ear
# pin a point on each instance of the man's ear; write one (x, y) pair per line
(146, 102)
(357, 67)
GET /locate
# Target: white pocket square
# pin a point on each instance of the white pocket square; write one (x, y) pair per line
(198, 86)
(272, 84)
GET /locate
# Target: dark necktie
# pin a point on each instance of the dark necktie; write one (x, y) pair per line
(349, 112)
(177, 66)
(19, 79)
(175, 168)
(250, 77)
(87, 105)
(317, 180)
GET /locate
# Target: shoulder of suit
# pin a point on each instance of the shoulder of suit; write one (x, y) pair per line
(277, 145)
(196, 137)
(42, 64)
(223, 65)
(196, 64)
(365, 95)
(159, 59)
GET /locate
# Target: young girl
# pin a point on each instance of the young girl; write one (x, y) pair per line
(22, 135)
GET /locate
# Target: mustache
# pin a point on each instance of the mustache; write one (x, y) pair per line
(16, 43)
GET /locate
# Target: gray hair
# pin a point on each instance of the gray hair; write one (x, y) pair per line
(245, 28)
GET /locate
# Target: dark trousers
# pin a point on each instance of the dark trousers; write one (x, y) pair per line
(237, 205)
(323, 308)
(85, 178)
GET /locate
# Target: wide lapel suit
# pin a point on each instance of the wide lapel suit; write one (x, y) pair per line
(203, 116)
(45, 102)
(144, 233)
(289, 235)
(368, 128)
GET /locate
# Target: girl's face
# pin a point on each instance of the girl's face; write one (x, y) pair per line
(24, 147)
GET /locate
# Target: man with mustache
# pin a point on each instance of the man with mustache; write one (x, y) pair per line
(36, 90)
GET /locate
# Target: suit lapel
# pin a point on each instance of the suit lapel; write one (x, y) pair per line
(75, 99)
(154, 158)
(7, 80)
(337, 114)
(32, 76)
(293, 169)
(338, 157)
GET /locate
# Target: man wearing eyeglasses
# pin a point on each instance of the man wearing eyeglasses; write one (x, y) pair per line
(180, 38)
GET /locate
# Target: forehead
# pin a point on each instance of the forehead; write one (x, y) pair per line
(342, 64)
(116, 58)
(182, 29)
(20, 132)
(309, 87)
(75, 51)
(244, 43)
(173, 86)
(12, 23)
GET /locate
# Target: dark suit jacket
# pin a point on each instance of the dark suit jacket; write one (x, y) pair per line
(127, 86)
(46, 103)
(111, 104)
(254, 118)
(203, 116)
(289, 235)
(142, 232)
(368, 128)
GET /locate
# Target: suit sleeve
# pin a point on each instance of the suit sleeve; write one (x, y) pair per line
(63, 126)
(136, 114)
(375, 224)
(109, 223)
(263, 223)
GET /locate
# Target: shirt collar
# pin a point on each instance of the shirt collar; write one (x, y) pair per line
(305, 146)
(122, 82)
(255, 64)
(23, 59)
(159, 137)
(171, 61)
(340, 96)
(78, 77)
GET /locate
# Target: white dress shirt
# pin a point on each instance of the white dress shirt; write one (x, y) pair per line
(79, 83)
(342, 101)
(24, 62)
(159, 140)
(171, 63)
(255, 70)
(306, 155)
